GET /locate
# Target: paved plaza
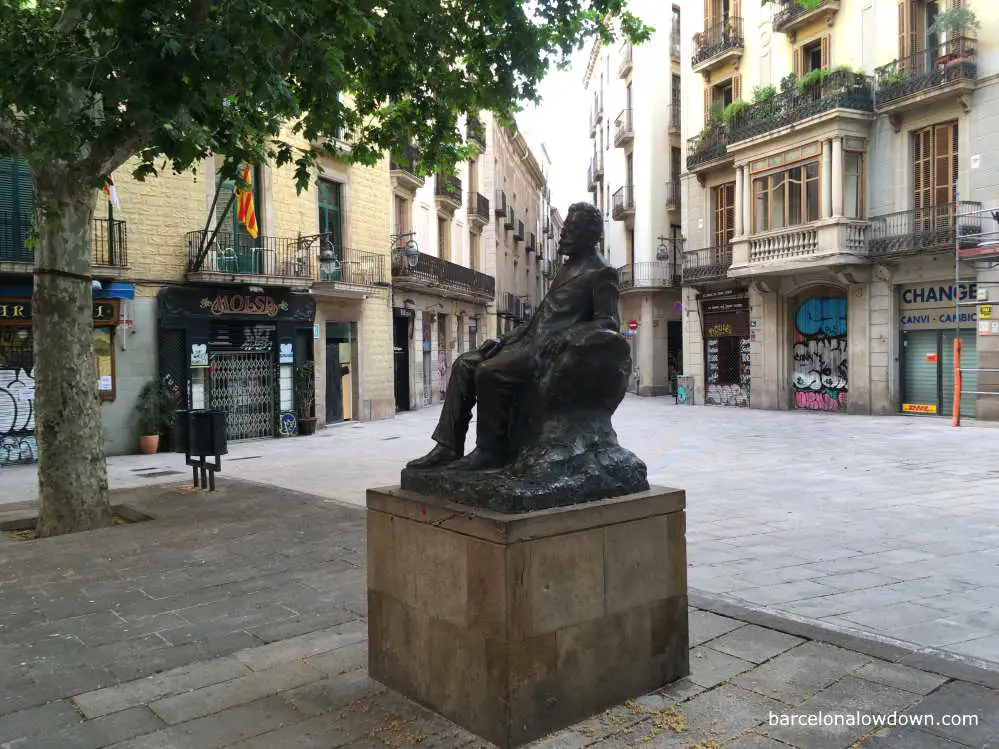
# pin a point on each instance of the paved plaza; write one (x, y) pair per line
(238, 619)
(881, 526)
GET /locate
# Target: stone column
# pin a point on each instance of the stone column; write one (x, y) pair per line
(747, 202)
(827, 179)
(740, 198)
(837, 177)
(646, 354)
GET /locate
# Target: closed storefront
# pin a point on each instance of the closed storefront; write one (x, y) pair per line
(236, 352)
(726, 349)
(932, 316)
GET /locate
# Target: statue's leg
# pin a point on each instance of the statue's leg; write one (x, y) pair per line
(459, 398)
(497, 380)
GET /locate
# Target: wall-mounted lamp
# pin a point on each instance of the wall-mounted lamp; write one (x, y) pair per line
(255, 289)
(663, 252)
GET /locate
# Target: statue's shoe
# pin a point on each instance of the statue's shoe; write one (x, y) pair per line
(439, 456)
(477, 460)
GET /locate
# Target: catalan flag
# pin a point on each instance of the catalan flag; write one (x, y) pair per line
(245, 212)
(110, 192)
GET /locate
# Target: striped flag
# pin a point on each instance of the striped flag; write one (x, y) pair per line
(245, 212)
(111, 192)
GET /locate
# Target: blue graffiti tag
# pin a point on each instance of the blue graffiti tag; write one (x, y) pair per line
(822, 314)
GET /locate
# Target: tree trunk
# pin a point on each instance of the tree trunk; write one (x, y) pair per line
(72, 475)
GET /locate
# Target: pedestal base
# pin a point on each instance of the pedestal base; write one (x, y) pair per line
(514, 626)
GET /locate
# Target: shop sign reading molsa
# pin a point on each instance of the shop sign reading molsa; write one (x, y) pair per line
(931, 306)
(242, 304)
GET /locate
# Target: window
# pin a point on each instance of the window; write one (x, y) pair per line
(675, 92)
(473, 251)
(788, 197)
(719, 96)
(104, 352)
(17, 202)
(812, 55)
(401, 215)
(473, 175)
(722, 94)
(232, 233)
(935, 164)
(853, 184)
(443, 238)
(724, 206)
(674, 165)
(331, 210)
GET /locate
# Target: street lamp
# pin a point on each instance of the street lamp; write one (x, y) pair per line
(412, 253)
(663, 252)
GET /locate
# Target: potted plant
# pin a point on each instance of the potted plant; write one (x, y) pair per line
(949, 27)
(305, 397)
(155, 410)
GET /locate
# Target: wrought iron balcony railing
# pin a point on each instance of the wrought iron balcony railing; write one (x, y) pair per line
(448, 187)
(707, 263)
(478, 206)
(241, 255)
(717, 39)
(953, 60)
(673, 195)
(674, 116)
(435, 272)
(936, 228)
(405, 161)
(623, 202)
(532, 243)
(838, 90)
(710, 144)
(511, 220)
(651, 274)
(598, 165)
(108, 241)
(344, 264)
(500, 203)
(475, 131)
(624, 131)
(519, 236)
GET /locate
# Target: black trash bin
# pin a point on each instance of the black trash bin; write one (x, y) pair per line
(206, 433)
(180, 430)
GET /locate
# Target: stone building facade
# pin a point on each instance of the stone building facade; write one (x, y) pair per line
(840, 169)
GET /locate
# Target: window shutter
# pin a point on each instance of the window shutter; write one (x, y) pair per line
(16, 206)
(707, 103)
(708, 15)
(736, 87)
(903, 29)
(796, 62)
(826, 57)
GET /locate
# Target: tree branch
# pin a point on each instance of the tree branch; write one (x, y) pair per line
(13, 136)
(128, 141)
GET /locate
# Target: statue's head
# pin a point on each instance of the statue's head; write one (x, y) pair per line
(582, 229)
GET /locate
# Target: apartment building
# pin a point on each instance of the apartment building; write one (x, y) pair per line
(467, 261)
(840, 164)
(634, 178)
(229, 321)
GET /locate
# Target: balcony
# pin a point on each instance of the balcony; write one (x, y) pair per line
(921, 231)
(708, 149)
(598, 165)
(673, 126)
(623, 203)
(475, 131)
(706, 264)
(825, 243)
(500, 203)
(591, 179)
(478, 208)
(717, 44)
(532, 243)
(511, 220)
(653, 274)
(949, 70)
(108, 246)
(837, 90)
(624, 132)
(519, 235)
(236, 258)
(341, 267)
(792, 16)
(673, 196)
(512, 307)
(447, 278)
(624, 64)
(447, 190)
(403, 168)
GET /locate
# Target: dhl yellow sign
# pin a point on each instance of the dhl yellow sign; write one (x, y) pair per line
(918, 408)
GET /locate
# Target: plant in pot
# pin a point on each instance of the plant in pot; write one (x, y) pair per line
(305, 397)
(155, 409)
(955, 27)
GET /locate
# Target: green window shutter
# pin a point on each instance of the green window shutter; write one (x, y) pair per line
(16, 207)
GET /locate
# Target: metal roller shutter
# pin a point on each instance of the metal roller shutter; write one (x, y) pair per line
(969, 359)
(920, 377)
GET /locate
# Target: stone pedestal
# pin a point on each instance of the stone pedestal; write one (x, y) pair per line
(516, 625)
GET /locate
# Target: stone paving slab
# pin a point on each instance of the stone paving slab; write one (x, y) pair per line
(91, 658)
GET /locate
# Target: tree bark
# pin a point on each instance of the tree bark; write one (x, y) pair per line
(72, 474)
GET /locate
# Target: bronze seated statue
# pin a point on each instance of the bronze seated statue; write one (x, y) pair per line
(544, 395)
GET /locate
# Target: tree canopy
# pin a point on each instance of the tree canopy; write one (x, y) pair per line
(85, 84)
